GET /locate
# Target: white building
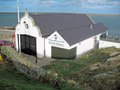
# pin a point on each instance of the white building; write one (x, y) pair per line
(57, 35)
(109, 43)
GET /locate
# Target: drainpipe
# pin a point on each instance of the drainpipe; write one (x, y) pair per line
(44, 47)
(19, 44)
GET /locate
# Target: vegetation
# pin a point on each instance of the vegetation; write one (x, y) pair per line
(5, 35)
(98, 70)
(29, 68)
(11, 79)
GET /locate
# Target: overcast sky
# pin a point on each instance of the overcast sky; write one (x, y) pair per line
(73, 6)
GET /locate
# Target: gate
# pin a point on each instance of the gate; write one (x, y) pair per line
(28, 44)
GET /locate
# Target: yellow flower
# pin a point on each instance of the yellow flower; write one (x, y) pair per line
(1, 58)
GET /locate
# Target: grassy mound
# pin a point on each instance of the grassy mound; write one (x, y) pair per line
(98, 70)
(11, 79)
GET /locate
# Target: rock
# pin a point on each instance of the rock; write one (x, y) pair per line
(95, 66)
(113, 59)
(71, 83)
(113, 54)
(102, 75)
(105, 81)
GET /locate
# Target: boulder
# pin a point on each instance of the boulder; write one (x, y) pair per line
(115, 61)
(113, 54)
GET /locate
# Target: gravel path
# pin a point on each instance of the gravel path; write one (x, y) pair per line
(40, 61)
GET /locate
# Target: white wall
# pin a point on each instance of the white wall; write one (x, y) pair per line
(33, 30)
(50, 41)
(40, 47)
(85, 46)
(105, 44)
(47, 49)
(16, 37)
(82, 47)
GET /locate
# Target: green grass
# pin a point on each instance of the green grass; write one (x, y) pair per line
(80, 70)
(65, 67)
(72, 74)
(14, 80)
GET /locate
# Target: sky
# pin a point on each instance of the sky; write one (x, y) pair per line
(66, 6)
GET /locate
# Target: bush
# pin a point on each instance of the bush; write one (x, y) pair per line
(105, 81)
(4, 86)
(72, 83)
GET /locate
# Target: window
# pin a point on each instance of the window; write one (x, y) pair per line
(26, 25)
(55, 37)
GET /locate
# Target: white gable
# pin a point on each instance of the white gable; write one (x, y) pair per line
(27, 26)
(56, 40)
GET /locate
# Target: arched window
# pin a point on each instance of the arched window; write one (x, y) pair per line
(26, 25)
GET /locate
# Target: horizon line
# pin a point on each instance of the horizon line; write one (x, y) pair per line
(98, 14)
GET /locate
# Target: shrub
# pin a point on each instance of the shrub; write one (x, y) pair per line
(105, 81)
(72, 83)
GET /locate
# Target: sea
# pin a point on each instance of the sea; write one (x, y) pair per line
(112, 22)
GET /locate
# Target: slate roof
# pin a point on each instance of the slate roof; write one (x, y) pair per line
(48, 23)
(76, 35)
(73, 28)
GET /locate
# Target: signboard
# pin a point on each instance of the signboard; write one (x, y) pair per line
(56, 41)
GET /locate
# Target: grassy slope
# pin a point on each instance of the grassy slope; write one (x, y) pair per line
(10, 79)
(91, 71)
(65, 67)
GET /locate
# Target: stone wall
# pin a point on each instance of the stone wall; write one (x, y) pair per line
(22, 64)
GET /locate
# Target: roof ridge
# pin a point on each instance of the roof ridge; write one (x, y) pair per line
(72, 28)
(57, 13)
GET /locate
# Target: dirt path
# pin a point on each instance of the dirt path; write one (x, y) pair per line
(40, 61)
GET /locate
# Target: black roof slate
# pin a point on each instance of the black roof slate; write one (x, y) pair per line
(48, 23)
(72, 27)
(76, 35)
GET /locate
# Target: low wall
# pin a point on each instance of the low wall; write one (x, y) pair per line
(7, 28)
(105, 44)
(31, 72)
(23, 64)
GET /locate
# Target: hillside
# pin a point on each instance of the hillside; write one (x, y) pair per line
(98, 70)
(11, 79)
